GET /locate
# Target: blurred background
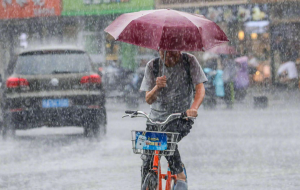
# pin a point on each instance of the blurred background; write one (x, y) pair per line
(247, 132)
(265, 31)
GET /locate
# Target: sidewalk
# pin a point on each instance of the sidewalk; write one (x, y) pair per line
(276, 97)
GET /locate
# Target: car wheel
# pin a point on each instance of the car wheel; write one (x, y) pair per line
(89, 130)
(94, 130)
(101, 133)
(8, 128)
(95, 124)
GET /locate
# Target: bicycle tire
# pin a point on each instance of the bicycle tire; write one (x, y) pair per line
(150, 182)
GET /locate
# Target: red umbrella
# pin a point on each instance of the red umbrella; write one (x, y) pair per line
(223, 49)
(166, 29)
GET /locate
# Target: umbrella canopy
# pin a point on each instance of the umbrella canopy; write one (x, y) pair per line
(166, 29)
(223, 49)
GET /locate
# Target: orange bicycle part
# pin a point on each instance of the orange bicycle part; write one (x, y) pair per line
(168, 177)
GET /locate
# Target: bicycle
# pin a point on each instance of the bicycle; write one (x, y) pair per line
(157, 144)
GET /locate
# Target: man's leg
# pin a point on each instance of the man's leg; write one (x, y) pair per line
(181, 176)
(175, 165)
(227, 97)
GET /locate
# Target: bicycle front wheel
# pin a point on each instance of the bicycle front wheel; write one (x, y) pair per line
(150, 182)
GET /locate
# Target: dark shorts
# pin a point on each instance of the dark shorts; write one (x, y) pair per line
(183, 128)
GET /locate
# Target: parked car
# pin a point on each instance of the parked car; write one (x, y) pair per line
(53, 86)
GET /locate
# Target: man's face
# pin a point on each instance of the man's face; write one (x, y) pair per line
(172, 57)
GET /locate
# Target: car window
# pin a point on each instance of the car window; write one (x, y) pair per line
(52, 63)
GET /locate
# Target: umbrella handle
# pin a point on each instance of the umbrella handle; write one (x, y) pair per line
(163, 69)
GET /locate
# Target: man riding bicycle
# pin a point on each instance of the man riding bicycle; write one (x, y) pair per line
(169, 82)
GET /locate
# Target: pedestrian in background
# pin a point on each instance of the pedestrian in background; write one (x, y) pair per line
(229, 75)
(288, 75)
(241, 82)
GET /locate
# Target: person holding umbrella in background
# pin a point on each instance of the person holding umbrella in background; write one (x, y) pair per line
(242, 78)
(170, 79)
(226, 53)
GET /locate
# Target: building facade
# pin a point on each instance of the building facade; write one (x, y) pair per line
(266, 29)
(93, 17)
(75, 22)
(251, 25)
(24, 22)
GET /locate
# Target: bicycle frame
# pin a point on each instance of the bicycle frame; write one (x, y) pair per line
(157, 169)
(156, 160)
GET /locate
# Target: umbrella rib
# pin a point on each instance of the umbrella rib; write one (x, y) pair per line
(192, 23)
(199, 30)
(148, 12)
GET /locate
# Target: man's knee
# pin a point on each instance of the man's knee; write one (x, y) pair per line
(181, 176)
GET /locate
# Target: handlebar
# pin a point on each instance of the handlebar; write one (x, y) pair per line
(134, 114)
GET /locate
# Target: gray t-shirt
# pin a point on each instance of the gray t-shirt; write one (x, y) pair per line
(177, 96)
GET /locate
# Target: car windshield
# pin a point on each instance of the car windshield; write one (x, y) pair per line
(54, 62)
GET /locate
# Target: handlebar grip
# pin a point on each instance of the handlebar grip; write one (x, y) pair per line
(184, 116)
(130, 112)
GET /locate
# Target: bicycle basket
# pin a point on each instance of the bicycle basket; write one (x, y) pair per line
(147, 142)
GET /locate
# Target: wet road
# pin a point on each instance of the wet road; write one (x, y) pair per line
(241, 149)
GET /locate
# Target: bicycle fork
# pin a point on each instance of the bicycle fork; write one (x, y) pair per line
(157, 169)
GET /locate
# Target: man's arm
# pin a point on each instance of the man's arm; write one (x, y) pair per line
(151, 96)
(199, 96)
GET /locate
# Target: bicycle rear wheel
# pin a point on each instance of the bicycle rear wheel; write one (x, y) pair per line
(150, 182)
